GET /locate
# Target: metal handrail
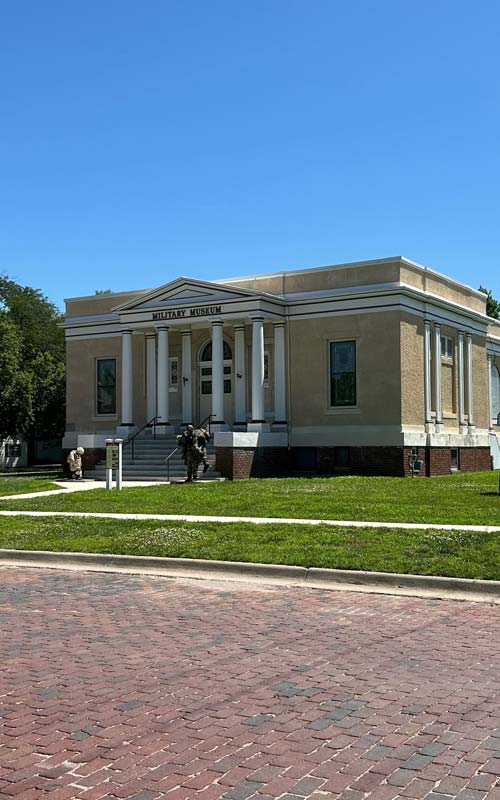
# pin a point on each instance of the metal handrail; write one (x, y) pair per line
(131, 439)
(174, 451)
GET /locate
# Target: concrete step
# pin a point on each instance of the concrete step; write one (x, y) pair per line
(146, 461)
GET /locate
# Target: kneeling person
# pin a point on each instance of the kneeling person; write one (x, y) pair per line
(75, 463)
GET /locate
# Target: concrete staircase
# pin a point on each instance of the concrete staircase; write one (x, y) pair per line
(147, 463)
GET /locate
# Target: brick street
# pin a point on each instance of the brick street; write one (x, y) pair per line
(138, 688)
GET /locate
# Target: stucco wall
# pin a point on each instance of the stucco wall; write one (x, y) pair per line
(81, 356)
(378, 370)
(480, 382)
(99, 303)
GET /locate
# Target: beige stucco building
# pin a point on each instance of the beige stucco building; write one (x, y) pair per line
(348, 368)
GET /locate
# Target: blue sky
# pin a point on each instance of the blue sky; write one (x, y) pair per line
(143, 141)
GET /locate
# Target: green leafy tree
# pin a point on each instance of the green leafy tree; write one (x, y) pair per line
(15, 384)
(32, 363)
(492, 305)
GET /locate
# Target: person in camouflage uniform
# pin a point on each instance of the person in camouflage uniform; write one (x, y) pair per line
(192, 452)
(203, 440)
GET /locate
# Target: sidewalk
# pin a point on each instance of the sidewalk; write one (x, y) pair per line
(82, 486)
(255, 520)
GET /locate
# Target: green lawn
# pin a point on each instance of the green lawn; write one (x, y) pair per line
(457, 554)
(464, 498)
(21, 485)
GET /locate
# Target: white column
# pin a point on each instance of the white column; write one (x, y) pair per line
(427, 376)
(217, 374)
(279, 374)
(461, 383)
(163, 395)
(437, 376)
(491, 422)
(470, 395)
(187, 407)
(150, 375)
(240, 390)
(258, 370)
(127, 409)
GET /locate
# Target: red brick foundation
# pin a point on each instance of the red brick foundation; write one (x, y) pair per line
(240, 463)
(474, 459)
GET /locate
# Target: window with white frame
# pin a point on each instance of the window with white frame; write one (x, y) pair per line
(343, 374)
(173, 374)
(447, 347)
(495, 392)
(13, 449)
(106, 386)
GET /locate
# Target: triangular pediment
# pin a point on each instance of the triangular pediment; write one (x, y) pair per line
(184, 291)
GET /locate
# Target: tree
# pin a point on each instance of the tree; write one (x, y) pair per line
(492, 305)
(15, 387)
(32, 363)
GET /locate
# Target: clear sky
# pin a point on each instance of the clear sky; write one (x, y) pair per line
(141, 141)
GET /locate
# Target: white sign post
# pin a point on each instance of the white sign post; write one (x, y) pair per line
(114, 462)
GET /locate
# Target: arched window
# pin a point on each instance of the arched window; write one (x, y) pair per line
(206, 354)
(495, 392)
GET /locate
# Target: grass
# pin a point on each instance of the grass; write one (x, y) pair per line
(450, 553)
(464, 498)
(21, 485)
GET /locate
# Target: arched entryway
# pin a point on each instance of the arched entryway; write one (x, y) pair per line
(205, 382)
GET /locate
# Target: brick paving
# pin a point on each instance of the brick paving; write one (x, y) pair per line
(125, 687)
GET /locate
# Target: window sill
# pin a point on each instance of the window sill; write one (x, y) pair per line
(343, 410)
(104, 417)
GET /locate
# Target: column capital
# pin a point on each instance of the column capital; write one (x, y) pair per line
(217, 322)
(162, 328)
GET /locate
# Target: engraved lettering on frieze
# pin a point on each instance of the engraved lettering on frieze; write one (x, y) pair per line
(180, 313)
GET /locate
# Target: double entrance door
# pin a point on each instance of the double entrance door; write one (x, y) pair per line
(205, 383)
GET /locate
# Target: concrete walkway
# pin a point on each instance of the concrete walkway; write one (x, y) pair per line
(256, 520)
(85, 485)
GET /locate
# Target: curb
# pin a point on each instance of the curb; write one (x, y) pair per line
(311, 577)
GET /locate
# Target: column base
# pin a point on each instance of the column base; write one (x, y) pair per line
(463, 429)
(430, 427)
(439, 427)
(279, 425)
(471, 429)
(162, 428)
(258, 425)
(216, 427)
(125, 430)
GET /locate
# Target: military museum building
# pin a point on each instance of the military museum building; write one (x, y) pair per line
(378, 367)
